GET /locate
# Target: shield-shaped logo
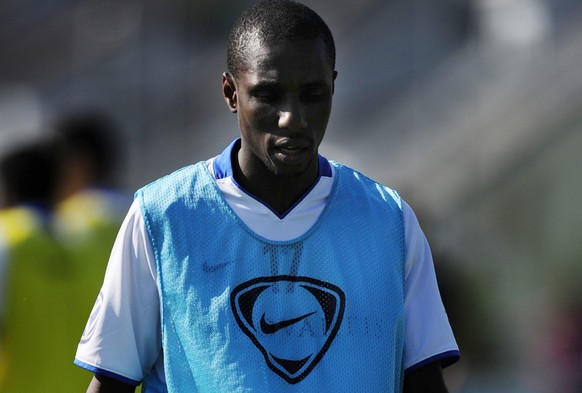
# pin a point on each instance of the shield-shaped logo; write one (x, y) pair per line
(291, 320)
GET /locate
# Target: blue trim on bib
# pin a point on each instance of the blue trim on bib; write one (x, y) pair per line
(222, 163)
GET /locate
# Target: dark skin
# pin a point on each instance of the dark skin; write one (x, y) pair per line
(283, 102)
(427, 379)
(101, 383)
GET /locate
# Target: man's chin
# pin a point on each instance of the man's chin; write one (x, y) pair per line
(289, 172)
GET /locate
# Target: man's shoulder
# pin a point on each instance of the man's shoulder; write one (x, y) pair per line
(344, 170)
(369, 185)
(176, 179)
(187, 187)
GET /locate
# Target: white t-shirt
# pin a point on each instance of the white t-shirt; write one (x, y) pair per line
(122, 338)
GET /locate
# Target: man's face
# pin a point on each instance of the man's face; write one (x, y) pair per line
(283, 101)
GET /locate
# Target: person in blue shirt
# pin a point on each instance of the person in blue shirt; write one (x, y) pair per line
(268, 267)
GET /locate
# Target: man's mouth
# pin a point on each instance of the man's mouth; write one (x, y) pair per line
(293, 152)
(292, 146)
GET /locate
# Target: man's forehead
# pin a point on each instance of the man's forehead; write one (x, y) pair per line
(271, 61)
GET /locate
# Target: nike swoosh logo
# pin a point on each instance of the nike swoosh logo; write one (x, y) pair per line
(271, 328)
(210, 268)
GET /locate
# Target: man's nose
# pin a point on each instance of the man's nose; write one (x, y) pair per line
(292, 116)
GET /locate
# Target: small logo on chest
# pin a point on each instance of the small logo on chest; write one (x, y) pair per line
(211, 267)
(291, 320)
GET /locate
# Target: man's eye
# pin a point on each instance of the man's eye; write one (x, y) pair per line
(266, 96)
(314, 95)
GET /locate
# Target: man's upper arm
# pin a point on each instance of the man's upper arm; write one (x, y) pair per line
(103, 384)
(426, 379)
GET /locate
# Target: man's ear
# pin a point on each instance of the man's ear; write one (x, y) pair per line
(229, 91)
(333, 82)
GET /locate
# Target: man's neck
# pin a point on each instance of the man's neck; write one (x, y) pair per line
(278, 192)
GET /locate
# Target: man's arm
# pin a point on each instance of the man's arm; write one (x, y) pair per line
(103, 384)
(427, 379)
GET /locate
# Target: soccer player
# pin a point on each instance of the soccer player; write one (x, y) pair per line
(269, 268)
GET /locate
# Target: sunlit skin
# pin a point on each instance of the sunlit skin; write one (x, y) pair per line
(283, 100)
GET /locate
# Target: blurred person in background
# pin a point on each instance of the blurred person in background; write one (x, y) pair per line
(553, 356)
(90, 205)
(36, 334)
(88, 194)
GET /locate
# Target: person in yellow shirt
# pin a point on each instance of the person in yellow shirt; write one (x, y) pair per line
(90, 205)
(37, 294)
(88, 195)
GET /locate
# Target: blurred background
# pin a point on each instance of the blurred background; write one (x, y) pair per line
(471, 109)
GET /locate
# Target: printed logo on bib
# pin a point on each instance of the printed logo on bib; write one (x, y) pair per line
(291, 320)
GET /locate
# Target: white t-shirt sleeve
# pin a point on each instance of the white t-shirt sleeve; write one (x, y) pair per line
(122, 336)
(429, 336)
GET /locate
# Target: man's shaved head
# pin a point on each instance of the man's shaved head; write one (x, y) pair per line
(272, 21)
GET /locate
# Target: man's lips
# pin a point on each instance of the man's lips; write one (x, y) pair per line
(293, 151)
(290, 149)
(292, 145)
